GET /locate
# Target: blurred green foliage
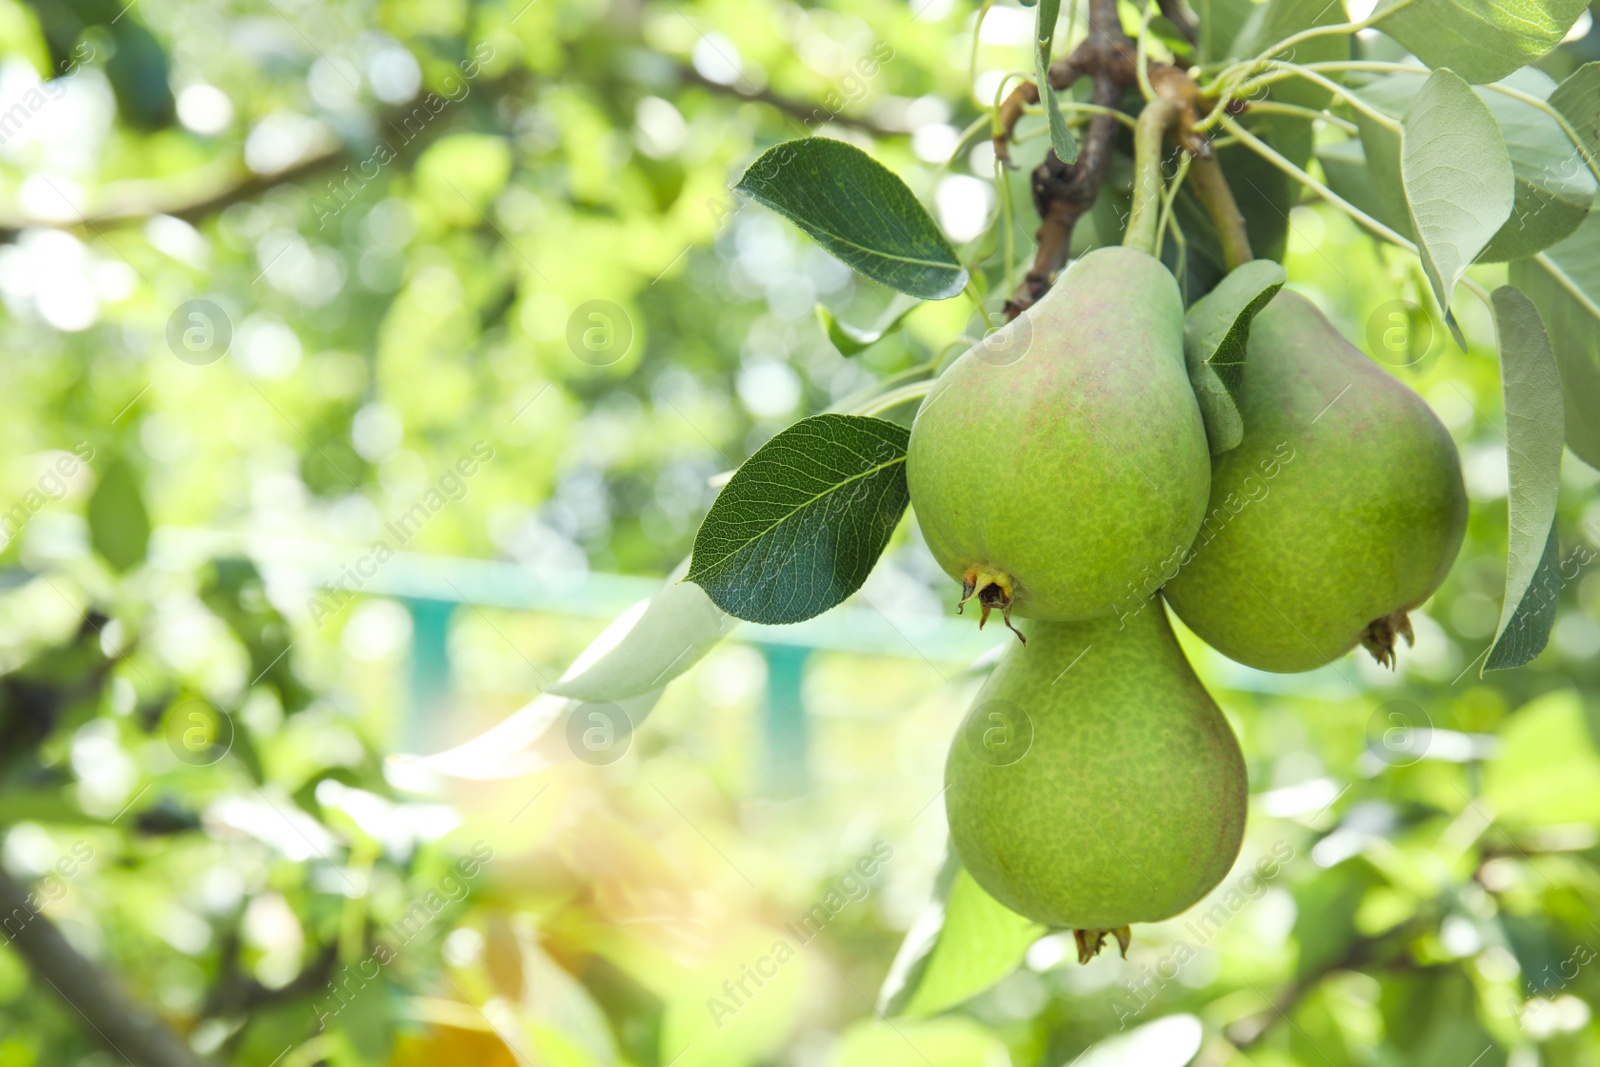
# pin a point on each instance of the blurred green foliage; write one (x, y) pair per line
(399, 217)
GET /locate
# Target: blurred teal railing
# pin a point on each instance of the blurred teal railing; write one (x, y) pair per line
(433, 587)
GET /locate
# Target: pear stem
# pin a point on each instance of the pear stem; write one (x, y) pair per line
(1148, 137)
(1209, 185)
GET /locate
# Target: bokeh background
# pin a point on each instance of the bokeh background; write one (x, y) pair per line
(310, 462)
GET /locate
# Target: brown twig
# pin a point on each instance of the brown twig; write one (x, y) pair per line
(1063, 192)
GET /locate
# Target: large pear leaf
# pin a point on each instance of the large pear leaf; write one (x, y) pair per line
(1215, 332)
(1564, 283)
(800, 524)
(1061, 139)
(1458, 181)
(1553, 186)
(858, 210)
(964, 942)
(1481, 40)
(119, 525)
(1532, 387)
(648, 646)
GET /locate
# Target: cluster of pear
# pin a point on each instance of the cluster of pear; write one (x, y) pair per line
(1060, 472)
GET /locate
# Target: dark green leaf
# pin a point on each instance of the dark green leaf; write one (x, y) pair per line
(1219, 25)
(858, 210)
(1479, 40)
(1564, 283)
(1215, 332)
(851, 340)
(119, 526)
(1061, 139)
(1458, 181)
(799, 526)
(1532, 386)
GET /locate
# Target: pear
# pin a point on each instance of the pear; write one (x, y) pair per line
(1094, 783)
(1340, 511)
(1064, 456)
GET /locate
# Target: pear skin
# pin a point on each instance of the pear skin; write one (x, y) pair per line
(1340, 511)
(1063, 458)
(1094, 783)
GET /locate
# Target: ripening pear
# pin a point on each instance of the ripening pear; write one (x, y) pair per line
(1061, 459)
(1341, 510)
(1094, 782)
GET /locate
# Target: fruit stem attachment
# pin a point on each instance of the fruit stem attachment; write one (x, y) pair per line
(1148, 135)
(1378, 638)
(993, 590)
(1090, 942)
(1211, 188)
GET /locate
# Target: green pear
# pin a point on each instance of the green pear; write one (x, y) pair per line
(1094, 783)
(1063, 456)
(1341, 510)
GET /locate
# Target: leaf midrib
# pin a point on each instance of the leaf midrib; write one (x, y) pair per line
(712, 567)
(809, 224)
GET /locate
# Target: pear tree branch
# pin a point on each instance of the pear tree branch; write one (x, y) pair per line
(1063, 192)
(127, 1028)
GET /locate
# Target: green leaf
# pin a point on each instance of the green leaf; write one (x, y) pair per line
(1219, 25)
(851, 340)
(1215, 331)
(1353, 176)
(963, 944)
(951, 1042)
(1564, 284)
(1547, 771)
(799, 526)
(1532, 387)
(1478, 39)
(119, 526)
(1553, 186)
(1271, 22)
(858, 210)
(670, 633)
(1458, 181)
(1578, 100)
(1061, 139)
